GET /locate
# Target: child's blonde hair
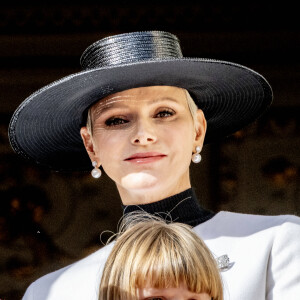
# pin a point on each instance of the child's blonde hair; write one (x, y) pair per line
(151, 252)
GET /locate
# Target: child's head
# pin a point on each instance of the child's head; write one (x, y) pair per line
(151, 253)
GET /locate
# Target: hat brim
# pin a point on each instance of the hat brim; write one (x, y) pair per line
(45, 128)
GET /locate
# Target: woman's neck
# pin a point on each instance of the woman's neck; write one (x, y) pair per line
(182, 207)
(146, 196)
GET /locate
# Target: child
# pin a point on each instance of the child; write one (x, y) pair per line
(154, 259)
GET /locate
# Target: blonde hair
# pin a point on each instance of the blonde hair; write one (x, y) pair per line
(192, 106)
(89, 123)
(190, 102)
(151, 252)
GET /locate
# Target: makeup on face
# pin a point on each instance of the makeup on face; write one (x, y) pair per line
(139, 135)
(145, 157)
(129, 112)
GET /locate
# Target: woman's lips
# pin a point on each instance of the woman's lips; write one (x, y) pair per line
(146, 157)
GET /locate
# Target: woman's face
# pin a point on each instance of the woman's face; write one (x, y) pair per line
(179, 293)
(144, 139)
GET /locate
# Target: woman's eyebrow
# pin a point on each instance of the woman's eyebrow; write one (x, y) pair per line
(116, 103)
(153, 101)
(121, 103)
(105, 107)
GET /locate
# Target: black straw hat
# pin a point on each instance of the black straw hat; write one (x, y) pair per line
(45, 128)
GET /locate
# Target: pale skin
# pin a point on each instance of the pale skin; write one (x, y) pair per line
(144, 139)
(178, 293)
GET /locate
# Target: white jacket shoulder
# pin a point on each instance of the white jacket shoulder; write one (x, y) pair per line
(265, 251)
(238, 224)
(79, 280)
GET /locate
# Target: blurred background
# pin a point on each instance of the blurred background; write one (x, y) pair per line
(48, 219)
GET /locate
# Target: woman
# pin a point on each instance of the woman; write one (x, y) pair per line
(154, 259)
(133, 107)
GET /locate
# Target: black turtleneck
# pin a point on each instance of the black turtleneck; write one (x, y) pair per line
(183, 207)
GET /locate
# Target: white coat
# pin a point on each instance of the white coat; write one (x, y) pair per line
(264, 252)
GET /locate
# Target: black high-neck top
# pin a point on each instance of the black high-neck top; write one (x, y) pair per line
(183, 207)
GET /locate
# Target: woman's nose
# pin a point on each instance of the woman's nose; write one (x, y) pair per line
(144, 134)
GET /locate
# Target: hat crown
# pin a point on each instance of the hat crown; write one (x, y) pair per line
(130, 48)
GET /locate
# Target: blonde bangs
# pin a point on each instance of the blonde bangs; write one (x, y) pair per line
(172, 261)
(160, 255)
(157, 266)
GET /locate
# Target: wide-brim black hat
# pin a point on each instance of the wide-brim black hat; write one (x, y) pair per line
(45, 128)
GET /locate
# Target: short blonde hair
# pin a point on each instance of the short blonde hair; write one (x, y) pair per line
(155, 253)
(190, 102)
(192, 106)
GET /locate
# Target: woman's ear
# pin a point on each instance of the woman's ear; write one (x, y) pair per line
(200, 127)
(88, 143)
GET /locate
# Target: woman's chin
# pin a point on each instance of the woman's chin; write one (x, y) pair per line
(139, 181)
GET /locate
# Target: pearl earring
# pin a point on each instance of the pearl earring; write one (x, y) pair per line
(196, 157)
(96, 172)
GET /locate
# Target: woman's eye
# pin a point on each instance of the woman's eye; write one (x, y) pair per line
(115, 121)
(165, 113)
